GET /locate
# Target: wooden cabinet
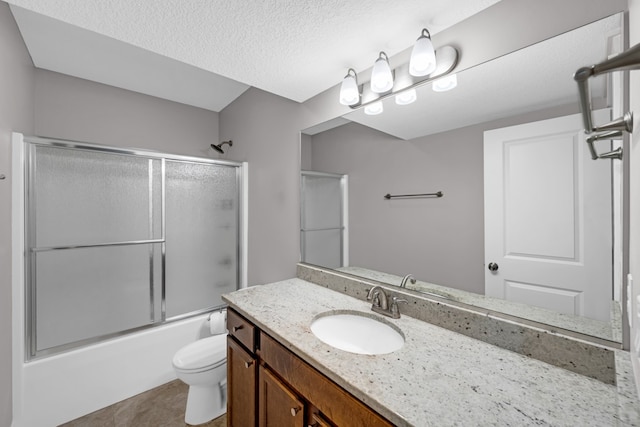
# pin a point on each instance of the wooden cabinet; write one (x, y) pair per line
(278, 405)
(269, 386)
(241, 384)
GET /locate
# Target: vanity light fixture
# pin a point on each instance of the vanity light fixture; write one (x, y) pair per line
(423, 56)
(401, 82)
(406, 97)
(349, 92)
(374, 108)
(445, 83)
(381, 75)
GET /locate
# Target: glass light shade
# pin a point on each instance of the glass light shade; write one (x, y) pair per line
(349, 93)
(423, 56)
(374, 108)
(381, 76)
(406, 97)
(445, 83)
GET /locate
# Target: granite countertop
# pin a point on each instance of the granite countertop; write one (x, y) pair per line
(611, 331)
(439, 377)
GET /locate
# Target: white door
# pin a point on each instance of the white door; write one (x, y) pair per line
(548, 220)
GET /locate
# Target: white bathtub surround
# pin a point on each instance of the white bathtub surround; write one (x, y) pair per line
(66, 386)
(438, 377)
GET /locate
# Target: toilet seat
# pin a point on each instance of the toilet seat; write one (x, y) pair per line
(202, 355)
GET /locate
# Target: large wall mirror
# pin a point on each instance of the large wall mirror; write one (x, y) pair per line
(520, 191)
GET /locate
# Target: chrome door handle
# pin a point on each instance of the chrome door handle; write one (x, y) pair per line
(493, 267)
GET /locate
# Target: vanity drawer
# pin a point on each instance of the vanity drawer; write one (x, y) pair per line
(243, 330)
(334, 402)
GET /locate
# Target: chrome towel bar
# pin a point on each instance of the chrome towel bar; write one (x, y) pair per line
(627, 60)
(409, 196)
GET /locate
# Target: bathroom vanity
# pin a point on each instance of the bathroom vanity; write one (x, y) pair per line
(287, 390)
(280, 373)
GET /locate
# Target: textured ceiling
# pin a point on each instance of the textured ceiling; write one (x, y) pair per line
(292, 48)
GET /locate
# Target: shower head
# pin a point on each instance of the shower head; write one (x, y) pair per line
(218, 147)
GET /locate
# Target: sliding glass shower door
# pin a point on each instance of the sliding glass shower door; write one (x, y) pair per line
(120, 240)
(202, 235)
(323, 219)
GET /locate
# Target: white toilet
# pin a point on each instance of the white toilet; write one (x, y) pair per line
(203, 366)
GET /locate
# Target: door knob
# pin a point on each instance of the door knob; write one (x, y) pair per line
(493, 267)
(294, 411)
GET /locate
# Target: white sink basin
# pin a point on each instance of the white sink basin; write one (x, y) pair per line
(357, 332)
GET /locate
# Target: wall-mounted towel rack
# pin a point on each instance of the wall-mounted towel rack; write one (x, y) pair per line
(409, 196)
(627, 60)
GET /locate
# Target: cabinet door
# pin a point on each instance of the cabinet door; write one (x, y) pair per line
(279, 406)
(339, 406)
(241, 386)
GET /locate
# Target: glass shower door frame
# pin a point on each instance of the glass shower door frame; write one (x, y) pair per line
(344, 214)
(154, 158)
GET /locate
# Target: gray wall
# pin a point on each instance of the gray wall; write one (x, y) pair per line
(16, 114)
(71, 108)
(265, 132)
(438, 240)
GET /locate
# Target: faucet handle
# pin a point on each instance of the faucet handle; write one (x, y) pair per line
(395, 312)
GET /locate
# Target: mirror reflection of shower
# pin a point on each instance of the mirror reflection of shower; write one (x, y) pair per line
(218, 147)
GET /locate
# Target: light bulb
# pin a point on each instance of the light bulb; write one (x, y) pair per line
(423, 56)
(381, 76)
(349, 93)
(406, 97)
(374, 108)
(445, 83)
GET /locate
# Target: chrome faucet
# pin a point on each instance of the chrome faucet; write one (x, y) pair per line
(379, 298)
(406, 278)
(380, 302)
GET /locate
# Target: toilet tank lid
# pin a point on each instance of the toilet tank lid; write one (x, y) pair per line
(202, 353)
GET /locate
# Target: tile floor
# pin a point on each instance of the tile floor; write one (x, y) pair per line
(160, 407)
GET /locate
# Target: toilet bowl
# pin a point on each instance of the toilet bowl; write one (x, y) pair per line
(202, 365)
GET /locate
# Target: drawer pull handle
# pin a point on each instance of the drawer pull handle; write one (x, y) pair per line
(237, 328)
(248, 364)
(294, 411)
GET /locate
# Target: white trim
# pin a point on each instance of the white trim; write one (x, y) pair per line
(345, 220)
(244, 228)
(17, 273)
